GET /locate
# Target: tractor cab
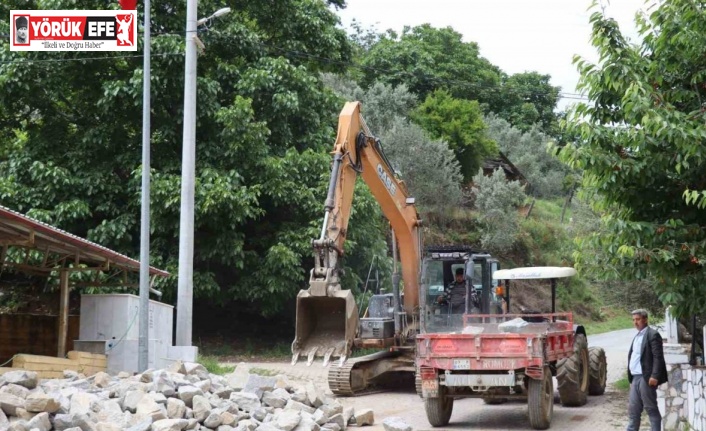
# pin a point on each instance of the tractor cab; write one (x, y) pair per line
(457, 281)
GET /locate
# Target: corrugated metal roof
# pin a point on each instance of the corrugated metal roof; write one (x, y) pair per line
(18, 229)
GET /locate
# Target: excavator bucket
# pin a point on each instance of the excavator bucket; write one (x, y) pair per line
(326, 326)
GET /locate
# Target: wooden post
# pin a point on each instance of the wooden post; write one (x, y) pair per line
(63, 312)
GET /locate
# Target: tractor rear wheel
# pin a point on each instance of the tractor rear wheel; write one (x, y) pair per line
(541, 400)
(572, 374)
(598, 370)
(439, 409)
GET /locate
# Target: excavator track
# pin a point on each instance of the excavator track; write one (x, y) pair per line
(339, 380)
(340, 377)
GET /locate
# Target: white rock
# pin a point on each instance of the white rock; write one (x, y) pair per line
(149, 407)
(28, 379)
(10, 403)
(201, 407)
(4, 422)
(294, 405)
(678, 401)
(306, 423)
(176, 408)
(132, 398)
(239, 377)
(187, 393)
(39, 402)
(170, 425)
(213, 420)
(246, 401)
(314, 394)
(287, 420)
(364, 417)
(40, 422)
(16, 390)
(670, 422)
(395, 424)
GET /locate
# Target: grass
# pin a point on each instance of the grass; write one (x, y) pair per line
(615, 320)
(246, 350)
(263, 372)
(622, 384)
(213, 366)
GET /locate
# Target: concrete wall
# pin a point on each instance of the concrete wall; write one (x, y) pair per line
(682, 400)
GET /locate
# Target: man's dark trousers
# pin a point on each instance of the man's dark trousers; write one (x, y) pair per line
(642, 395)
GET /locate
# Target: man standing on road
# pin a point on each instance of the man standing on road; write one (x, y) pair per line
(646, 371)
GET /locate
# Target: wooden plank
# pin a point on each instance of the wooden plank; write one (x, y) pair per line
(75, 354)
(21, 360)
(4, 370)
(63, 313)
(49, 367)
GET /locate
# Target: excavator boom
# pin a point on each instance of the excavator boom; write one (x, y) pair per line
(327, 316)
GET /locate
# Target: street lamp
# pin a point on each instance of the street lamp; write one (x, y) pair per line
(185, 291)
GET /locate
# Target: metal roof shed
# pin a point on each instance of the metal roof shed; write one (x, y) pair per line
(33, 247)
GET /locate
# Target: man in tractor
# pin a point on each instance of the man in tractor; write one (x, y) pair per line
(455, 294)
(646, 371)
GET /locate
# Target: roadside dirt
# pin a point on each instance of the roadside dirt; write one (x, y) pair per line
(601, 413)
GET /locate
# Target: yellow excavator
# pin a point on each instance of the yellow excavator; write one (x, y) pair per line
(327, 317)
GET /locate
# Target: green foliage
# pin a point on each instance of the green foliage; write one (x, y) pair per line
(460, 123)
(429, 168)
(213, 365)
(426, 166)
(70, 139)
(427, 59)
(497, 199)
(529, 101)
(640, 145)
(529, 153)
(612, 322)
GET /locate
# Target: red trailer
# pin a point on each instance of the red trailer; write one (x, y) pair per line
(507, 356)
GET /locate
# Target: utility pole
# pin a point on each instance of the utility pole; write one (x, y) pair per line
(185, 293)
(143, 334)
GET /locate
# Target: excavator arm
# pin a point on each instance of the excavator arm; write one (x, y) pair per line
(327, 316)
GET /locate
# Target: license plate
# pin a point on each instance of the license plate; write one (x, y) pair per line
(430, 388)
(462, 364)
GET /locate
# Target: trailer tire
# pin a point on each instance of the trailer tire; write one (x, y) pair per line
(572, 375)
(540, 400)
(598, 371)
(439, 409)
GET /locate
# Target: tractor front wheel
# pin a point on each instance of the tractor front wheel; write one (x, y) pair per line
(598, 371)
(572, 374)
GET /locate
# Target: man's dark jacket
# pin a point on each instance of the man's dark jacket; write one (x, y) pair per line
(652, 359)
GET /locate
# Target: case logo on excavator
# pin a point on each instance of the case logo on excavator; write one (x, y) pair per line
(389, 184)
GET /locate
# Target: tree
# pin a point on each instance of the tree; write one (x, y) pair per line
(529, 100)
(427, 59)
(70, 139)
(460, 123)
(528, 151)
(497, 200)
(641, 147)
(425, 165)
(428, 167)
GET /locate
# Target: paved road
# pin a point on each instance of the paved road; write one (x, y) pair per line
(602, 413)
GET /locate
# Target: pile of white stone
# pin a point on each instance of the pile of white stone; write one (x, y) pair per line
(184, 397)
